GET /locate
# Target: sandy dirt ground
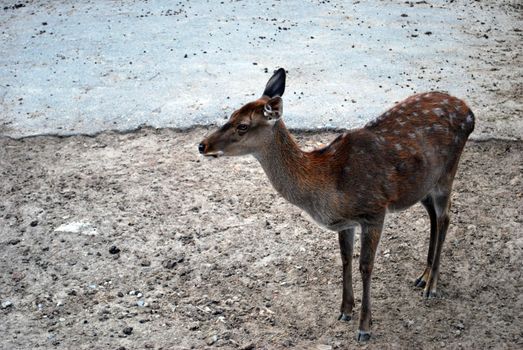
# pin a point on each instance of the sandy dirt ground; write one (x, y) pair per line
(162, 249)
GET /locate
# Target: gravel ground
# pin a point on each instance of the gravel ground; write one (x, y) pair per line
(134, 241)
(70, 67)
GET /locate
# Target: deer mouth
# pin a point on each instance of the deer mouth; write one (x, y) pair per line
(214, 154)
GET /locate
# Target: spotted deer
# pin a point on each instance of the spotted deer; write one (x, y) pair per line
(409, 154)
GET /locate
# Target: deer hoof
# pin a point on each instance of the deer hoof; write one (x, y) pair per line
(429, 294)
(420, 283)
(344, 317)
(363, 336)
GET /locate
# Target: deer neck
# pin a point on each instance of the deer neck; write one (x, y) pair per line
(286, 165)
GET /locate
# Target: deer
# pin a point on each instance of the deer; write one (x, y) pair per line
(409, 154)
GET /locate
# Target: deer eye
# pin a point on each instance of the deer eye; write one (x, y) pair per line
(242, 127)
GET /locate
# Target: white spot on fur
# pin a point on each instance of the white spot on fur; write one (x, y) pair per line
(415, 114)
(469, 119)
(438, 111)
(398, 147)
(412, 135)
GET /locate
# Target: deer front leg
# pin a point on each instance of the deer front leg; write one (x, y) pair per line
(346, 239)
(370, 236)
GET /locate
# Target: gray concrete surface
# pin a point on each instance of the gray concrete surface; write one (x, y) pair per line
(70, 67)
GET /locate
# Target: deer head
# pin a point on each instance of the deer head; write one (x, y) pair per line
(247, 128)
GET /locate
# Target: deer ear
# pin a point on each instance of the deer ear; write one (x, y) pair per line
(273, 109)
(276, 84)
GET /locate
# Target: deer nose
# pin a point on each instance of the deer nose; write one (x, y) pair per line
(201, 148)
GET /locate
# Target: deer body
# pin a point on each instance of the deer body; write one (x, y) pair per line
(407, 155)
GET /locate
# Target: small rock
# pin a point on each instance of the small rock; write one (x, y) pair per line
(212, 340)
(322, 347)
(171, 263)
(194, 326)
(120, 294)
(141, 303)
(6, 304)
(145, 263)
(14, 241)
(127, 330)
(114, 250)
(408, 323)
(84, 228)
(34, 223)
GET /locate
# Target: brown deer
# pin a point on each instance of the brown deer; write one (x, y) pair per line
(409, 154)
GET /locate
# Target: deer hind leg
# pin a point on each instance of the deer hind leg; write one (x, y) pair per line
(441, 200)
(428, 203)
(346, 239)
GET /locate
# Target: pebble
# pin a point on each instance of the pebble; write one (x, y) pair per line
(84, 228)
(141, 303)
(194, 326)
(169, 264)
(212, 340)
(6, 304)
(322, 347)
(114, 250)
(127, 330)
